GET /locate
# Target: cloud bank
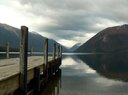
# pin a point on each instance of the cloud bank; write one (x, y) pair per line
(67, 21)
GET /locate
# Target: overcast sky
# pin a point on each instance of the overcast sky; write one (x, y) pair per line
(66, 21)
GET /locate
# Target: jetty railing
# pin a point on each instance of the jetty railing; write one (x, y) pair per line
(41, 74)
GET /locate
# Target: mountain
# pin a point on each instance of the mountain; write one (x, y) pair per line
(76, 46)
(12, 35)
(110, 40)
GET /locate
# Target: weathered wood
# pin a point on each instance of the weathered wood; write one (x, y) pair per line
(23, 59)
(54, 57)
(58, 51)
(46, 56)
(10, 67)
(31, 52)
(7, 50)
(46, 52)
(54, 51)
(20, 73)
(36, 80)
(11, 73)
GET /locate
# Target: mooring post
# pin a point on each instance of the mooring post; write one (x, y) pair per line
(23, 59)
(37, 81)
(54, 57)
(7, 50)
(46, 57)
(60, 55)
(58, 51)
(31, 52)
(54, 51)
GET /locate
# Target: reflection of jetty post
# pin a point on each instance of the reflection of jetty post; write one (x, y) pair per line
(53, 85)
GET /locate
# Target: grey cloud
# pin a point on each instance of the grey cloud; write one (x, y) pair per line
(59, 4)
(65, 34)
(77, 16)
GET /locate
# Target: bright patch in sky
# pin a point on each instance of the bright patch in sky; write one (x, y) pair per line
(67, 43)
(66, 21)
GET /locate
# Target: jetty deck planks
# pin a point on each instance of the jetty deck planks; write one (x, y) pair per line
(10, 67)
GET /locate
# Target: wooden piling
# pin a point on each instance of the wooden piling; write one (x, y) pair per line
(46, 51)
(58, 51)
(37, 81)
(7, 50)
(54, 51)
(31, 52)
(54, 57)
(21, 77)
(23, 59)
(46, 56)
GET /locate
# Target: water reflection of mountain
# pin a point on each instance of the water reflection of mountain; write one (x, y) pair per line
(114, 66)
(53, 86)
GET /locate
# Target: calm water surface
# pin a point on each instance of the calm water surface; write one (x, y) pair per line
(91, 75)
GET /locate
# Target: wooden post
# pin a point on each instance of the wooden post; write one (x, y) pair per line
(23, 59)
(54, 57)
(7, 50)
(37, 81)
(58, 51)
(31, 52)
(61, 51)
(46, 56)
(54, 51)
(60, 55)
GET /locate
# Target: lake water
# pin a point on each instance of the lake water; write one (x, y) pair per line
(102, 74)
(90, 74)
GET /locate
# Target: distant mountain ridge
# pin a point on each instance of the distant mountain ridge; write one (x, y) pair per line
(76, 46)
(112, 39)
(12, 35)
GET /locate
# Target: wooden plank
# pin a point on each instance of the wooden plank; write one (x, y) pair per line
(10, 67)
(11, 82)
(9, 85)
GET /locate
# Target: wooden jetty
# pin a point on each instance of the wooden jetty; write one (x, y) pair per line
(19, 76)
